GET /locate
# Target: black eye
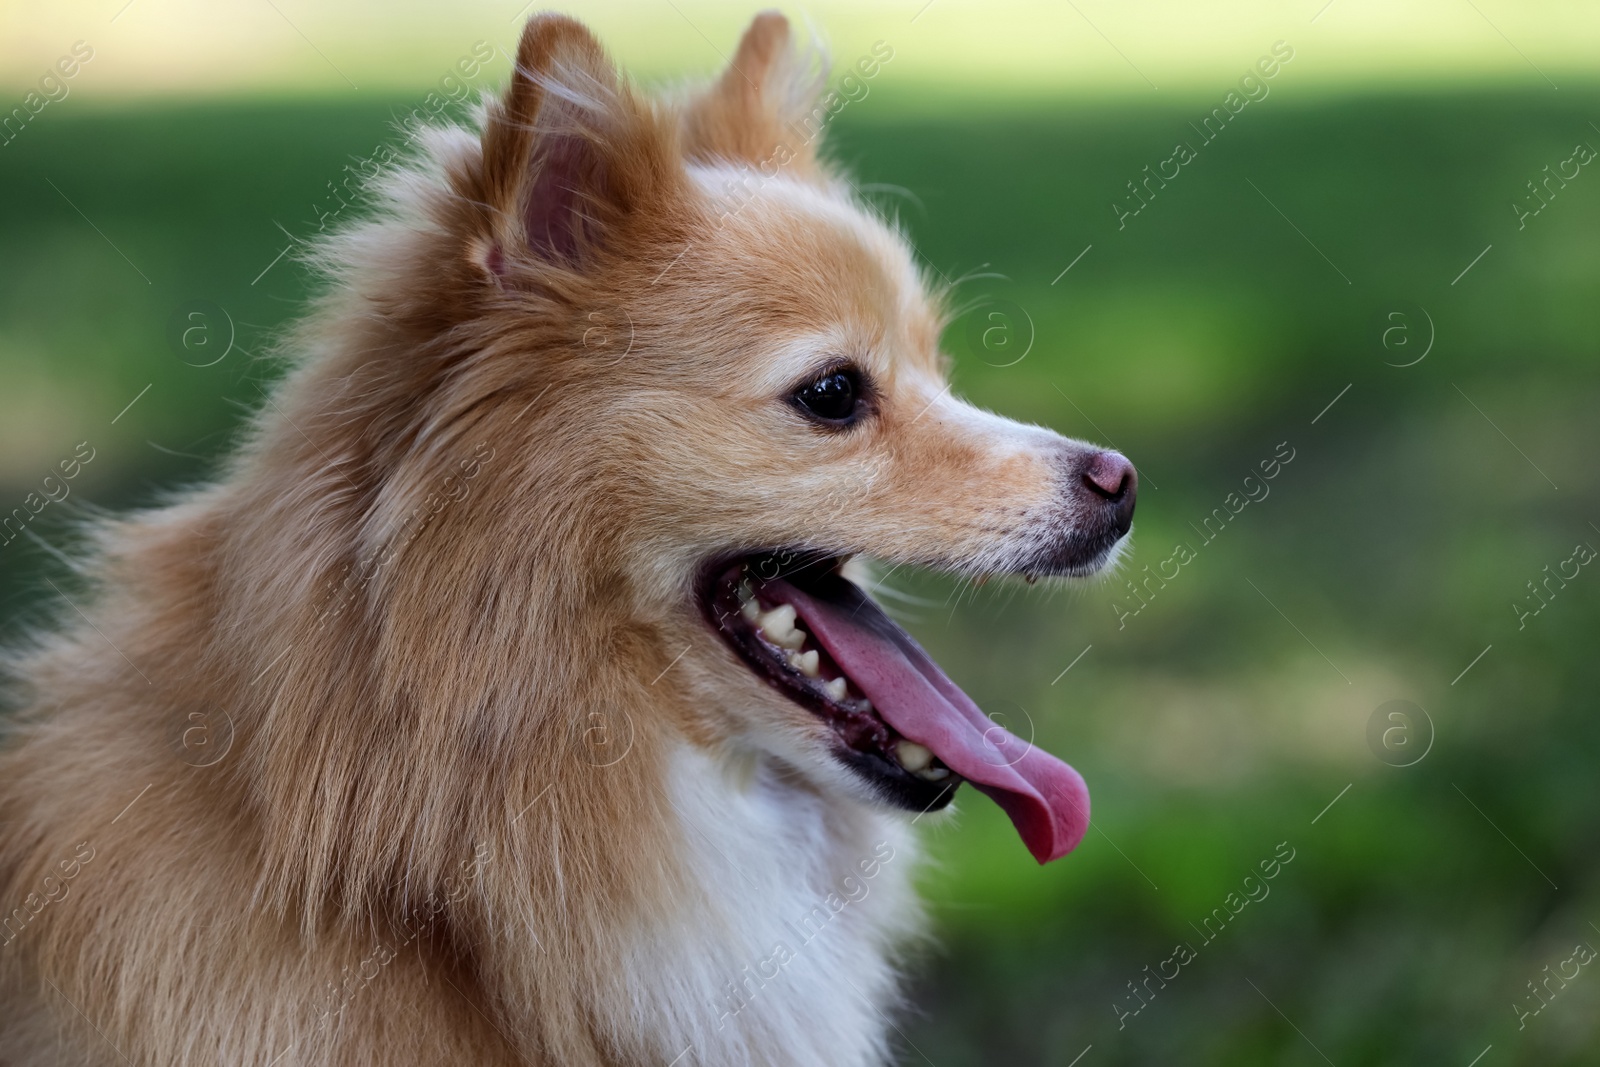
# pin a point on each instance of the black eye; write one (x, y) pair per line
(834, 398)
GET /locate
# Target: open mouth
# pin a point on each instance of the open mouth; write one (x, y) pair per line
(897, 720)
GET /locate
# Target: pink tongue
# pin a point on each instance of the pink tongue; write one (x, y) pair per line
(1046, 799)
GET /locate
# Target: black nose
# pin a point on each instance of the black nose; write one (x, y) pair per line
(1111, 479)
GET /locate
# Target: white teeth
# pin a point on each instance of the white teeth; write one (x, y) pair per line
(933, 774)
(747, 602)
(807, 663)
(779, 628)
(912, 756)
(835, 688)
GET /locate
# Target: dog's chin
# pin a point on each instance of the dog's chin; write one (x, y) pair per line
(1079, 555)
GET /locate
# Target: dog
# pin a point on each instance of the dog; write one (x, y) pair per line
(549, 720)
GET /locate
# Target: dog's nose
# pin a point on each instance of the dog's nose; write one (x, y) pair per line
(1109, 476)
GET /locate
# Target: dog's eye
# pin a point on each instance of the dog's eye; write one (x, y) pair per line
(834, 398)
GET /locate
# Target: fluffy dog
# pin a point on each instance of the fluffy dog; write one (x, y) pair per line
(548, 723)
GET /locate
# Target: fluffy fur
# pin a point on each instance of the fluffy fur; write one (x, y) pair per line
(489, 789)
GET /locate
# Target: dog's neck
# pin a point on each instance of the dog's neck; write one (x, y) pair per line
(787, 911)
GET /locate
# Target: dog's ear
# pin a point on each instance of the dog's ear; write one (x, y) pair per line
(570, 153)
(764, 109)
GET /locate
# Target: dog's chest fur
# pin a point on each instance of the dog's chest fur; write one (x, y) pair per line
(785, 955)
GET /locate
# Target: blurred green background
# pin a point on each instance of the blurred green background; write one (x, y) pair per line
(1227, 719)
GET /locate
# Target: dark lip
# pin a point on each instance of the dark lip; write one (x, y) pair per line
(861, 740)
(1075, 556)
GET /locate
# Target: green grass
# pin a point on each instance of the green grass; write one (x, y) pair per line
(1200, 336)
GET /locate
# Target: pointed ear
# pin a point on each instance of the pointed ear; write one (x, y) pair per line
(569, 152)
(764, 107)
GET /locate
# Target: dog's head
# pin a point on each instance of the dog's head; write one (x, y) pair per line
(740, 367)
